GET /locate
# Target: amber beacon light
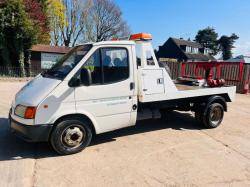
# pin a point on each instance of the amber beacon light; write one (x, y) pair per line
(141, 36)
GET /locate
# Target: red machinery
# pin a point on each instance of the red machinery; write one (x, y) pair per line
(207, 67)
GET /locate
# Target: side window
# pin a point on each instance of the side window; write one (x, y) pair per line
(115, 64)
(138, 49)
(149, 58)
(94, 65)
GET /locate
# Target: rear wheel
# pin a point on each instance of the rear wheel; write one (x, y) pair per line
(212, 117)
(71, 136)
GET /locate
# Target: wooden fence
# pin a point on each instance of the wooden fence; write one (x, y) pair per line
(228, 72)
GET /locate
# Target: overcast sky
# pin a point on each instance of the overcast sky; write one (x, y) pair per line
(183, 18)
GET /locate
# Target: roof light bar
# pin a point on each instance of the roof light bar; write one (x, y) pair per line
(141, 36)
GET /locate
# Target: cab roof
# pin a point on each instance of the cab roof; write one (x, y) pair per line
(132, 40)
(117, 42)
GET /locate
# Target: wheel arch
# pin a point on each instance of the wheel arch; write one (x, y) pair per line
(80, 116)
(216, 99)
(204, 103)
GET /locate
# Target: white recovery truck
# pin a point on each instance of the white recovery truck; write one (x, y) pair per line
(105, 86)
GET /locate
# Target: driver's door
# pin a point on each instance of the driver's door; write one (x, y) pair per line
(109, 98)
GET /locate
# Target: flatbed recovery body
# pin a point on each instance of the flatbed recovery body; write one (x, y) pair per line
(104, 86)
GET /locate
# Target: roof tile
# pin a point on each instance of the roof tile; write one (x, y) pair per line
(50, 49)
(180, 42)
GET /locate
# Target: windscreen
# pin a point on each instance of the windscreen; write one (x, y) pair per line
(67, 63)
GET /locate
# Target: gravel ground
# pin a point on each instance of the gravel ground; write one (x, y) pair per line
(175, 152)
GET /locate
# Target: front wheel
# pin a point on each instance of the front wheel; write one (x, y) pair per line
(71, 136)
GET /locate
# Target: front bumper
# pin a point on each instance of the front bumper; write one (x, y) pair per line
(30, 133)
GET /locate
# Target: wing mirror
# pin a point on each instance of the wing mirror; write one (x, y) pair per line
(74, 82)
(85, 77)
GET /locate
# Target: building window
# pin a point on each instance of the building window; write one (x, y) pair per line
(188, 49)
(195, 50)
(206, 51)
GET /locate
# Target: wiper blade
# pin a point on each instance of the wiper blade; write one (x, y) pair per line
(44, 73)
(53, 74)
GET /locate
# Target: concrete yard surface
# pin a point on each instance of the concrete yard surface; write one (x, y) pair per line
(172, 152)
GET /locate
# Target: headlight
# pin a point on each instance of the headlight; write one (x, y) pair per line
(25, 112)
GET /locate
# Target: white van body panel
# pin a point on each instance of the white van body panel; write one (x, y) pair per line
(230, 91)
(153, 81)
(32, 94)
(149, 85)
(35, 91)
(22, 120)
(59, 102)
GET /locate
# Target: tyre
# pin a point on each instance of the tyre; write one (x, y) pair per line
(213, 116)
(71, 136)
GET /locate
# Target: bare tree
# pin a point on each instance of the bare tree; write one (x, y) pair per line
(104, 21)
(76, 12)
(56, 12)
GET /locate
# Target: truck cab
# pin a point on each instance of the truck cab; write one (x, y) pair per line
(101, 87)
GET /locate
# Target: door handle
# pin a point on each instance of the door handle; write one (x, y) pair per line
(132, 85)
(160, 81)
